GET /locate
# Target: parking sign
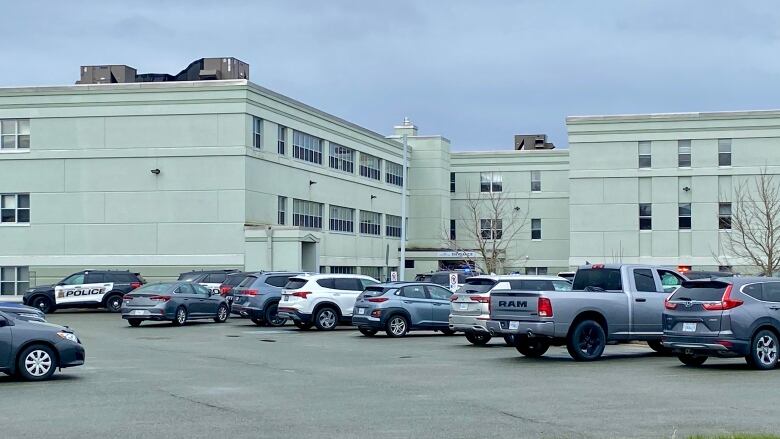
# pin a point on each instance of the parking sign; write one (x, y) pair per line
(393, 276)
(453, 281)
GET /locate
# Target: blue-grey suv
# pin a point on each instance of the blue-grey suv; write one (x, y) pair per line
(725, 317)
(399, 307)
(258, 295)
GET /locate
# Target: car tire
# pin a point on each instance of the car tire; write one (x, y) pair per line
(510, 340)
(134, 322)
(692, 360)
(114, 303)
(658, 347)
(43, 303)
(326, 318)
(271, 315)
(764, 350)
(587, 341)
(180, 318)
(258, 322)
(397, 326)
(36, 363)
(531, 347)
(222, 314)
(478, 338)
(368, 332)
(447, 331)
(303, 326)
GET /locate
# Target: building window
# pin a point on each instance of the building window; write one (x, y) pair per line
(540, 271)
(645, 216)
(334, 269)
(684, 216)
(257, 133)
(724, 216)
(370, 223)
(645, 158)
(490, 182)
(281, 210)
(14, 134)
(375, 272)
(453, 234)
(307, 214)
(491, 228)
(15, 208)
(14, 281)
(393, 226)
(724, 152)
(536, 181)
(536, 228)
(728, 268)
(452, 182)
(370, 166)
(394, 173)
(281, 139)
(307, 147)
(342, 158)
(684, 153)
(342, 219)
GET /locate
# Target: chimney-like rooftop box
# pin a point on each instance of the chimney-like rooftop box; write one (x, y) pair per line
(204, 69)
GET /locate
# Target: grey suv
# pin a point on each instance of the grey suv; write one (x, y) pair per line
(258, 295)
(399, 307)
(725, 317)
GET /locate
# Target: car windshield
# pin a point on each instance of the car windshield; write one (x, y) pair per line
(247, 281)
(700, 291)
(476, 286)
(295, 283)
(189, 277)
(153, 288)
(604, 278)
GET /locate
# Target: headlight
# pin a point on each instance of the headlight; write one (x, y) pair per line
(68, 336)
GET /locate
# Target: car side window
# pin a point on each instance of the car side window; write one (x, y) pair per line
(348, 284)
(413, 292)
(535, 285)
(754, 290)
(326, 283)
(95, 278)
(643, 279)
(669, 280)
(200, 289)
(561, 285)
(75, 279)
(438, 293)
(772, 291)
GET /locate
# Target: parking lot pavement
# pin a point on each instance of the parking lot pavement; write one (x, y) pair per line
(239, 381)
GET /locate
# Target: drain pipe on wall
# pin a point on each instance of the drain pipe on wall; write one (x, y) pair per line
(269, 232)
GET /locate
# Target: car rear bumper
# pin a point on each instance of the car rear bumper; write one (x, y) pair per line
(367, 322)
(294, 315)
(463, 323)
(531, 329)
(156, 314)
(715, 346)
(246, 311)
(70, 354)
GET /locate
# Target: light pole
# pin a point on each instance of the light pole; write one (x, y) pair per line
(402, 268)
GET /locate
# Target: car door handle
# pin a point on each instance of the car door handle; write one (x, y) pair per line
(438, 304)
(774, 307)
(407, 301)
(641, 300)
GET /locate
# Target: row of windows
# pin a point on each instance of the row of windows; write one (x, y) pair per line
(308, 214)
(494, 229)
(494, 182)
(308, 148)
(684, 153)
(683, 216)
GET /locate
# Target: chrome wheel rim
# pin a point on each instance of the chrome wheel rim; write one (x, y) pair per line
(181, 316)
(222, 315)
(327, 319)
(38, 363)
(397, 326)
(766, 350)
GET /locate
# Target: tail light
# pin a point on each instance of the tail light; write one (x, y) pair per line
(127, 297)
(668, 304)
(135, 285)
(160, 298)
(224, 289)
(249, 292)
(453, 298)
(480, 299)
(302, 294)
(726, 302)
(377, 313)
(597, 266)
(377, 299)
(544, 307)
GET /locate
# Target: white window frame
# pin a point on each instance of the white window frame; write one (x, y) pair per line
(367, 168)
(392, 226)
(536, 226)
(491, 182)
(281, 210)
(342, 269)
(281, 140)
(537, 271)
(724, 150)
(394, 173)
(490, 228)
(341, 219)
(341, 158)
(684, 149)
(723, 216)
(370, 223)
(536, 177)
(307, 147)
(645, 151)
(680, 216)
(14, 132)
(257, 133)
(19, 285)
(649, 216)
(307, 214)
(11, 202)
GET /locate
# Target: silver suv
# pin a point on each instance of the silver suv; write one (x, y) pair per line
(470, 305)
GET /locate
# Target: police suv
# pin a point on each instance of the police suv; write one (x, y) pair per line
(85, 289)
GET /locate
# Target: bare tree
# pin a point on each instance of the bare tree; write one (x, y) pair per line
(755, 223)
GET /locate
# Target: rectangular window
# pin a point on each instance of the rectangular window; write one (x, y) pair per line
(452, 182)
(281, 139)
(14, 281)
(307, 214)
(342, 158)
(724, 152)
(684, 216)
(342, 219)
(370, 223)
(645, 216)
(14, 135)
(539, 271)
(536, 181)
(375, 272)
(453, 234)
(342, 270)
(724, 216)
(490, 182)
(393, 226)
(536, 228)
(14, 208)
(394, 173)
(307, 147)
(684, 153)
(370, 166)
(257, 133)
(282, 210)
(491, 228)
(645, 157)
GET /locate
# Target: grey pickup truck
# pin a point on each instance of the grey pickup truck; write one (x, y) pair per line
(610, 303)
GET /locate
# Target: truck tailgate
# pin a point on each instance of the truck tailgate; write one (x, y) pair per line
(514, 305)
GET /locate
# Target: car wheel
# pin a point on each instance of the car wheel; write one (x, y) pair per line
(114, 303)
(447, 331)
(326, 318)
(531, 347)
(658, 347)
(692, 360)
(37, 363)
(44, 304)
(478, 338)
(222, 314)
(134, 322)
(303, 326)
(510, 340)
(258, 322)
(368, 332)
(397, 326)
(587, 341)
(181, 316)
(763, 350)
(272, 316)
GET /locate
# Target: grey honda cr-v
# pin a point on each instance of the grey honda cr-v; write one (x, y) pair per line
(725, 317)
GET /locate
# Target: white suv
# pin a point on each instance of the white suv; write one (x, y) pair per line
(322, 300)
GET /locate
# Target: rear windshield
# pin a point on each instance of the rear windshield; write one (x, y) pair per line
(153, 288)
(476, 286)
(422, 278)
(249, 280)
(234, 279)
(441, 279)
(295, 283)
(373, 291)
(189, 277)
(277, 281)
(700, 291)
(604, 278)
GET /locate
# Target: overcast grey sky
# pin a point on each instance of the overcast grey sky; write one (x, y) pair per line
(476, 72)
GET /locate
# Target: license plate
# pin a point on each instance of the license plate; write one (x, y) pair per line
(464, 306)
(361, 311)
(139, 312)
(286, 299)
(514, 325)
(689, 327)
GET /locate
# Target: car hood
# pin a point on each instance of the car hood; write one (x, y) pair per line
(38, 324)
(41, 288)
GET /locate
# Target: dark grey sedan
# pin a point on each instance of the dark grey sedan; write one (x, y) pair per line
(175, 302)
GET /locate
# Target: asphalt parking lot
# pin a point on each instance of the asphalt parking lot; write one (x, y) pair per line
(237, 380)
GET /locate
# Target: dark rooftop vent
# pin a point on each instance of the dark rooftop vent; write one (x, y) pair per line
(204, 69)
(529, 142)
